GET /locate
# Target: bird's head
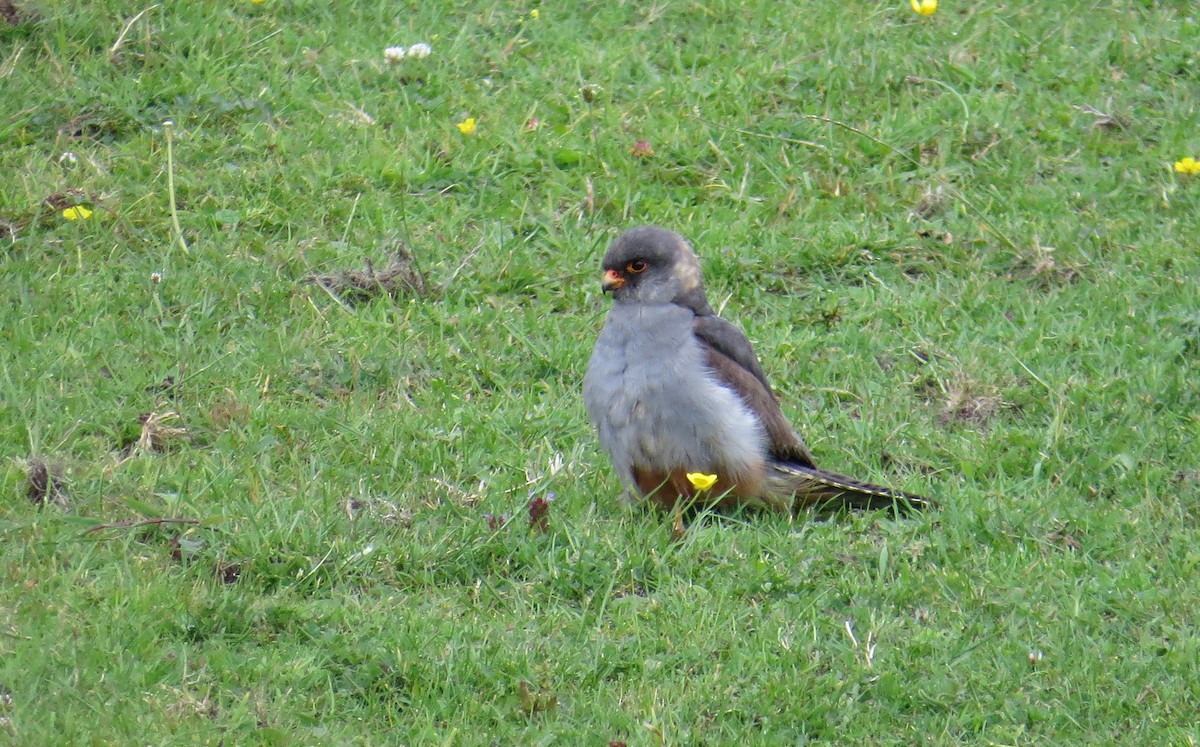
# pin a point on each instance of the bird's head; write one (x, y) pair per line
(654, 266)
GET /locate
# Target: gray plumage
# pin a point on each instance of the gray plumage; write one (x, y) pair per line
(672, 389)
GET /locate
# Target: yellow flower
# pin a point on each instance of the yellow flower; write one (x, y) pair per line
(701, 481)
(534, 14)
(1189, 166)
(924, 7)
(258, 2)
(78, 212)
(467, 126)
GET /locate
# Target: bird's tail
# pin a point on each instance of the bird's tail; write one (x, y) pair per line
(812, 487)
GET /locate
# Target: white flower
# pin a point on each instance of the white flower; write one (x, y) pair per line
(68, 157)
(393, 55)
(419, 50)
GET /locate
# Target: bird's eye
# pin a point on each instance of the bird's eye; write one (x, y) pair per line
(637, 265)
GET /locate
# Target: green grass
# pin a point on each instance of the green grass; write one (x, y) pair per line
(960, 284)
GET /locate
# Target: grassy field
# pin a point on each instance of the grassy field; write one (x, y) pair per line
(244, 507)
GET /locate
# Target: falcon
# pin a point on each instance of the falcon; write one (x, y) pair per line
(677, 395)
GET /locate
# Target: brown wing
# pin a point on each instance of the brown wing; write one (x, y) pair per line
(728, 340)
(731, 357)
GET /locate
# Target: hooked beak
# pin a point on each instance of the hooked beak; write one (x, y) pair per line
(611, 281)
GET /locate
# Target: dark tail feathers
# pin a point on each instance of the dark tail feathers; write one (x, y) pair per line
(829, 490)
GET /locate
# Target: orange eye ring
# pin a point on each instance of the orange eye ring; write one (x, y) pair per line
(636, 266)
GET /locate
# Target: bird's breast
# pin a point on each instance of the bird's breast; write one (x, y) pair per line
(654, 402)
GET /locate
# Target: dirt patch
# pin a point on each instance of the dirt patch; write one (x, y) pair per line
(945, 237)
(380, 508)
(1044, 271)
(966, 406)
(229, 573)
(12, 15)
(399, 278)
(165, 388)
(1063, 537)
(963, 399)
(229, 412)
(44, 484)
(182, 704)
(99, 125)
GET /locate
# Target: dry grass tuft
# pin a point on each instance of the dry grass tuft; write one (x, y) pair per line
(964, 400)
(399, 278)
(1041, 267)
(158, 434)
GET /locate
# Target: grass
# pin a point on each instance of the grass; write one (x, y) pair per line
(957, 242)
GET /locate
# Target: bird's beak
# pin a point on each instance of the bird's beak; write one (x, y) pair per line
(611, 281)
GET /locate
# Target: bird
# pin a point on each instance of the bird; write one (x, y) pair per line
(676, 392)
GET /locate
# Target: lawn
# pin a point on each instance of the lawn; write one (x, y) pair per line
(267, 478)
